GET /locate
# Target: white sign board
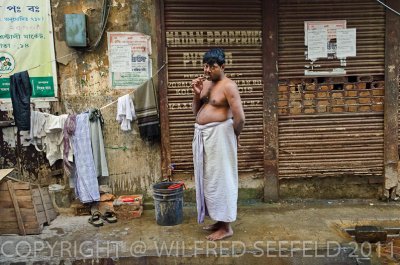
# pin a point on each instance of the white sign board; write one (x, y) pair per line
(130, 64)
(330, 26)
(328, 40)
(26, 43)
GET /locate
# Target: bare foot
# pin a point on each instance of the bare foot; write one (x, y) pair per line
(213, 227)
(223, 232)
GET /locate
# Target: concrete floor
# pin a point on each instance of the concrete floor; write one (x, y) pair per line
(279, 233)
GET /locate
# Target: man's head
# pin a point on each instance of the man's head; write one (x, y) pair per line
(214, 64)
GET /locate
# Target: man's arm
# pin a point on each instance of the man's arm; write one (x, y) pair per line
(235, 103)
(197, 86)
(196, 104)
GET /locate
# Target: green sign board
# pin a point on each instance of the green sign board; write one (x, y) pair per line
(26, 44)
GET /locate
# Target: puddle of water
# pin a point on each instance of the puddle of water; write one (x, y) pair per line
(58, 230)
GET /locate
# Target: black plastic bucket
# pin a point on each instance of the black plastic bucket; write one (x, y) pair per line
(168, 204)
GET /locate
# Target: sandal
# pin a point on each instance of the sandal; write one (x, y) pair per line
(110, 217)
(95, 219)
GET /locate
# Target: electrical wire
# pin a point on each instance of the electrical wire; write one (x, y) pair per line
(104, 18)
(388, 7)
(148, 80)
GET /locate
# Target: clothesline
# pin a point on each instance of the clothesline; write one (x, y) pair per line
(109, 104)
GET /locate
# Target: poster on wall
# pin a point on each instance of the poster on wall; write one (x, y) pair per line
(346, 43)
(129, 59)
(328, 40)
(330, 27)
(26, 43)
(317, 47)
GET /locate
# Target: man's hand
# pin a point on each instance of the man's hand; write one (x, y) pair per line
(238, 141)
(197, 85)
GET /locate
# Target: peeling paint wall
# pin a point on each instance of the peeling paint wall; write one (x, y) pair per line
(83, 77)
(84, 83)
(30, 164)
(8, 157)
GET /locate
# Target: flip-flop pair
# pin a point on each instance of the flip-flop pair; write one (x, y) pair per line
(95, 219)
(110, 217)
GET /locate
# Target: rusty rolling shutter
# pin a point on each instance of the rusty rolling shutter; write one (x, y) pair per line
(331, 125)
(331, 145)
(192, 27)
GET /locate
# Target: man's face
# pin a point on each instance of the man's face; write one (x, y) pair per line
(213, 72)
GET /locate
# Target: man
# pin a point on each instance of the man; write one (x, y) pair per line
(219, 122)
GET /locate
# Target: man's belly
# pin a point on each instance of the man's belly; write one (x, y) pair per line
(208, 114)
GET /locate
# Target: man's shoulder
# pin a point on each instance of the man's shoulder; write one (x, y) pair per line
(230, 84)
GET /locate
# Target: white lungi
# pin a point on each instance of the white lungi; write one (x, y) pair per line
(216, 171)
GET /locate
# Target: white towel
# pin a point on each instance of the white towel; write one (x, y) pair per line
(47, 130)
(216, 170)
(37, 132)
(54, 138)
(125, 112)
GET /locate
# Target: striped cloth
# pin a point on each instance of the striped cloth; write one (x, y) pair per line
(147, 112)
(69, 130)
(87, 187)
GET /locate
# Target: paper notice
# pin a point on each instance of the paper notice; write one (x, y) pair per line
(317, 45)
(346, 42)
(121, 58)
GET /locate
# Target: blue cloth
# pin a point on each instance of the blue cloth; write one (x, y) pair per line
(87, 187)
(21, 92)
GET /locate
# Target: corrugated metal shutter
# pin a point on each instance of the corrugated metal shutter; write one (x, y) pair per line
(331, 145)
(331, 126)
(192, 27)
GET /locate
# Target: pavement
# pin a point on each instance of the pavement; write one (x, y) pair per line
(301, 232)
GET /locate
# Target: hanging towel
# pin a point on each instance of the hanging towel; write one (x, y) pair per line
(87, 188)
(147, 112)
(216, 171)
(37, 131)
(54, 138)
(47, 131)
(68, 132)
(21, 92)
(96, 138)
(125, 112)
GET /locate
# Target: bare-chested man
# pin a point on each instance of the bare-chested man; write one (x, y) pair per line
(219, 122)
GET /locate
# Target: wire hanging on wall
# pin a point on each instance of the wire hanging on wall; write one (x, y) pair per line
(104, 18)
(388, 7)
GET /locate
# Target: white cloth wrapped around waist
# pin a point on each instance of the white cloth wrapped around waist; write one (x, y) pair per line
(216, 171)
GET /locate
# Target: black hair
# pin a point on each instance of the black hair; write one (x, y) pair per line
(214, 55)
